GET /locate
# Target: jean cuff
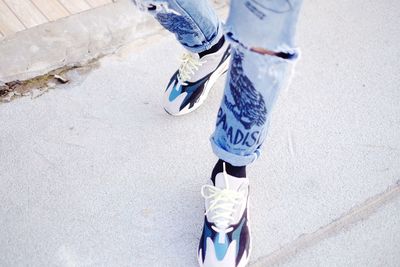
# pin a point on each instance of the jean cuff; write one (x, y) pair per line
(207, 44)
(233, 159)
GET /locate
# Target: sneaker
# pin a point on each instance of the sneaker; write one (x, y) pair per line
(225, 241)
(190, 85)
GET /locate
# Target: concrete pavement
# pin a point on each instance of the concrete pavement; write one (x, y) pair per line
(76, 39)
(94, 173)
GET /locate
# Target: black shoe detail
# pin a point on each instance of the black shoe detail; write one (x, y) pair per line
(240, 233)
(244, 246)
(173, 80)
(194, 91)
(214, 48)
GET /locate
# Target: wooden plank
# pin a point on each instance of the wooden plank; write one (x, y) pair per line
(26, 12)
(96, 3)
(52, 9)
(9, 23)
(75, 6)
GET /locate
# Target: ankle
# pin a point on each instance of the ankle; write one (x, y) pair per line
(235, 171)
(214, 48)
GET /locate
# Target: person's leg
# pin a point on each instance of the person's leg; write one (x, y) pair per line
(261, 33)
(197, 27)
(261, 58)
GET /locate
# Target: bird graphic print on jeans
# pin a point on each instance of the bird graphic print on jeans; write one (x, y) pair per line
(178, 25)
(249, 106)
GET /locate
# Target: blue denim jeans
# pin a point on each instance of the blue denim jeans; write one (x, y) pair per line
(254, 78)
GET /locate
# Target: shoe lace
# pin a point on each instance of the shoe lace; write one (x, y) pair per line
(189, 64)
(222, 206)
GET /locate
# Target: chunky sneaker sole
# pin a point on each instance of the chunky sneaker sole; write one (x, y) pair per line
(183, 97)
(226, 237)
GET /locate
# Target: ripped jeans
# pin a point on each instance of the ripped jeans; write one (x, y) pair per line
(255, 77)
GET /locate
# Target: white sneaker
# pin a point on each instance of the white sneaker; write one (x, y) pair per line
(190, 85)
(225, 241)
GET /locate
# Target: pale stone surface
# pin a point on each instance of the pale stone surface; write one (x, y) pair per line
(373, 242)
(76, 40)
(95, 173)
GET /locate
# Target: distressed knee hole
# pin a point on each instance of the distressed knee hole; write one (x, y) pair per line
(285, 53)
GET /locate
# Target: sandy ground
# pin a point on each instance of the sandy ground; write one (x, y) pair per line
(95, 173)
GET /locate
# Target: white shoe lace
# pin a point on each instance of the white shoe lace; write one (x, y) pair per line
(189, 64)
(223, 204)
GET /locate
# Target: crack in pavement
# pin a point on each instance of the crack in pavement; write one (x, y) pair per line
(344, 222)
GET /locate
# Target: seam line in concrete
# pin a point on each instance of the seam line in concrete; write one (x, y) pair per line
(40, 11)
(338, 225)
(12, 11)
